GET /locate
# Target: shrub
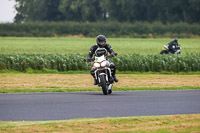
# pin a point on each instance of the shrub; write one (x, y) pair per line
(127, 62)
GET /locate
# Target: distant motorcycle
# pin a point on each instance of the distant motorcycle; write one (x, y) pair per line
(103, 73)
(166, 50)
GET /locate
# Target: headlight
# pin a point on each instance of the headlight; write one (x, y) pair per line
(96, 65)
(163, 48)
(103, 64)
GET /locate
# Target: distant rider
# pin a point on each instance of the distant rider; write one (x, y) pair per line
(101, 43)
(173, 46)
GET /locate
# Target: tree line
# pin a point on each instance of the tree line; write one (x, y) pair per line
(108, 10)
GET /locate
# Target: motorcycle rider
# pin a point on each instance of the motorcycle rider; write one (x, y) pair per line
(174, 46)
(101, 43)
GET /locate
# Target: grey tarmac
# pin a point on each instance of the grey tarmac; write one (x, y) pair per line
(62, 106)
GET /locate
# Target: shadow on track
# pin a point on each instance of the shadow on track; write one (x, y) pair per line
(99, 93)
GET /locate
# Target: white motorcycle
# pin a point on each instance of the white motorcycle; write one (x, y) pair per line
(103, 73)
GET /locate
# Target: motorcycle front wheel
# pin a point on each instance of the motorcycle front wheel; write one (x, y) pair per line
(103, 84)
(164, 52)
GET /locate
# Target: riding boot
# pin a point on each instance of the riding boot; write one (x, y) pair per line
(95, 81)
(93, 75)
(114, 77)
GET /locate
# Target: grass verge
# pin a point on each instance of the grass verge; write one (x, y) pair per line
(57, 89)
(160, 124)
(53, 82)
(49, 71)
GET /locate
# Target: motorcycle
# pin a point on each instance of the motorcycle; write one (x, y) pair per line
(165, 50)
(103, 73)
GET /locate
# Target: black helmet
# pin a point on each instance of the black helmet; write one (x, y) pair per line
(176, 40)
(101, 38)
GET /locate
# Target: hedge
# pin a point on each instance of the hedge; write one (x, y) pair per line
(110, 29)
(131, 62)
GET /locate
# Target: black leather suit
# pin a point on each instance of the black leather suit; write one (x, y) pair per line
(173, 46)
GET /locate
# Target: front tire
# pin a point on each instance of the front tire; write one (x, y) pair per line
(103, 84)
(164, 52)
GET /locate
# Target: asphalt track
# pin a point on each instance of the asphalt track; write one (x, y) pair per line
(61, 106)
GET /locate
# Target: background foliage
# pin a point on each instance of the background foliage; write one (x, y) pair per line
(102, 10)
(114, 18)
(92, 29)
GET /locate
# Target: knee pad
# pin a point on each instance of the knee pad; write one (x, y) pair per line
(92, 71)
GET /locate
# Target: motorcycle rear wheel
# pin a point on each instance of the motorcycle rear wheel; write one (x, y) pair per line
(103, 84)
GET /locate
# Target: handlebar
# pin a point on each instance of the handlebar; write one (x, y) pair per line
(107, 57)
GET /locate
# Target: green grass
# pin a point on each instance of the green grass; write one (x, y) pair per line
(16, 45)
(140, 124)
(60, 89)
(50, 71)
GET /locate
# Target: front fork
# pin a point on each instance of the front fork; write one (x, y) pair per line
(106, 71)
